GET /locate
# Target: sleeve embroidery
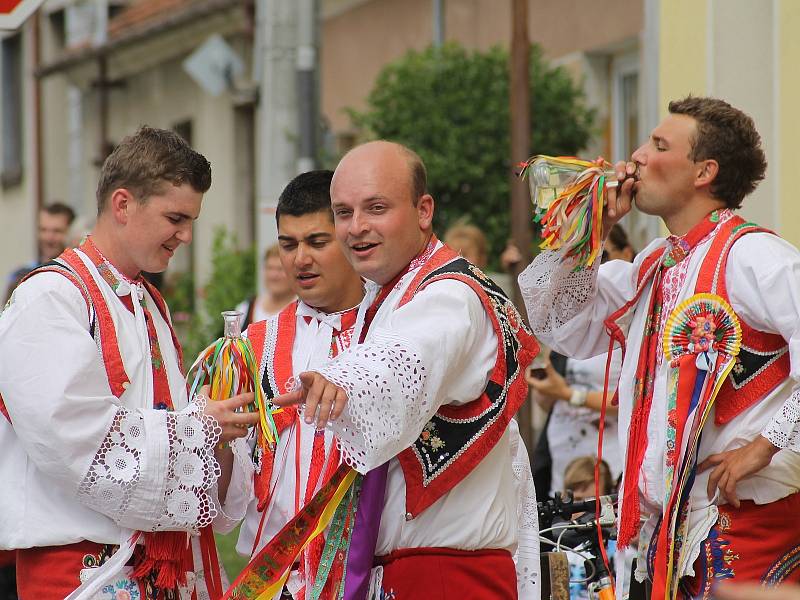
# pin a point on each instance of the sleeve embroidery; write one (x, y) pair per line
(553, 292)
(113, 484)
(385, 384)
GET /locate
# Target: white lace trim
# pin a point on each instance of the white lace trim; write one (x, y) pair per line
(783, 430)
(526, 557)
(386, 399)
(554, 292)
(173, 493)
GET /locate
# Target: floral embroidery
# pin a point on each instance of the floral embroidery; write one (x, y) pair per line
(738, 368)
(124, 589)
(430, 437)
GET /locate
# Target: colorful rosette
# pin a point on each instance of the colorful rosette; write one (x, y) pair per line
(704, 323)
(568, 196)
(229, 367)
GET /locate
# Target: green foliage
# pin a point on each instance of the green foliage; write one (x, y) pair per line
(233, 279)
(452, 107)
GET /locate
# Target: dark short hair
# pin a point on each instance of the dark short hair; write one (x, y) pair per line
(143, 162)
(306, 194)
(729, 136)
(59, 208)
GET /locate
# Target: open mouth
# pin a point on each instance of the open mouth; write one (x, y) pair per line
(168, 249)
(307, 279)
(362, 247)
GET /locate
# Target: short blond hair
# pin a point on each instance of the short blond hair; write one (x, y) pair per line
(581, 470)
(272, 252)
(462, 233)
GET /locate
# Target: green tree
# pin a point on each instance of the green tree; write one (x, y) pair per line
(452, 107)
(233, 279)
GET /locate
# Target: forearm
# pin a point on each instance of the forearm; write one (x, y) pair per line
(224, 456)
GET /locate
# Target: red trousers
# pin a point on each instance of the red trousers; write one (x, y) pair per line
(53, 572)
(757, 543)
(448, 574)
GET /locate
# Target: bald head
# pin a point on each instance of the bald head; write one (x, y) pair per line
(401, 159)
(382, 213)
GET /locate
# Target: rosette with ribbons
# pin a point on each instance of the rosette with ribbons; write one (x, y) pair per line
(702, 338)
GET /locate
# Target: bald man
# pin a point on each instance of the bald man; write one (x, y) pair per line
(422, 401)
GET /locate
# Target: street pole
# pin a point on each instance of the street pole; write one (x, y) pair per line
(307, 96)
(276, 60)
(438, 23)
(520, 150)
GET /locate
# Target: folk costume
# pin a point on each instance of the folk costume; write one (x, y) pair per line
(299, 338)
(709, 324)
(101, 445)
(447, 501)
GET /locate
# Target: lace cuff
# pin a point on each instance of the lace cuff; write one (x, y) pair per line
(783, 430)
(554, 292)
(154, 470)
(387, 405)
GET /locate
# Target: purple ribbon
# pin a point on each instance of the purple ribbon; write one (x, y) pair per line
(365, 534)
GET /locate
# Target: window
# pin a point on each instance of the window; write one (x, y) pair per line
(11, 104)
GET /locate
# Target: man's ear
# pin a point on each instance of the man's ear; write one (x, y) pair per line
(119, 204)
(425, 206)
(707, 173)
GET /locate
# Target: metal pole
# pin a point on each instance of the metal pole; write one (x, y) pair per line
(520, 149)
(307, 96)
(276, 23)
(438, 23)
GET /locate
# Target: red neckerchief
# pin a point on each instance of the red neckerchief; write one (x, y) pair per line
(629, 521)
(388, 288)
(165, 551)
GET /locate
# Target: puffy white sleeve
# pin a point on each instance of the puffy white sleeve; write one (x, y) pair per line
(763, 280)
(146, 469)
(438, 349)
(567, 306)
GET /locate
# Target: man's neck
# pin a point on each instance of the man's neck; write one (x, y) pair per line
(694, 212)
(107, 246)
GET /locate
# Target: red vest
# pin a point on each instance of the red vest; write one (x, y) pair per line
(101, 325)
(468, 432)
(763, 360)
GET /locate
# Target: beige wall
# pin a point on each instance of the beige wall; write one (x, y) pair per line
(358, 38)
(157, 91)
(17, 205)
(783, 169)
(744, 55)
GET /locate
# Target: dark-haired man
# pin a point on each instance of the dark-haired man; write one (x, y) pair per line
(709, 405)
(101, 445)
(304, 335)
(422, 401)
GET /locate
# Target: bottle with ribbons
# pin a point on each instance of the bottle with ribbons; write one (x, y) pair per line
(229, 367)
(568, 196)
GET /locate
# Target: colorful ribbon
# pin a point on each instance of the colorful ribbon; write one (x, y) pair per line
(267, 572)
(568, 196)
(229, 367)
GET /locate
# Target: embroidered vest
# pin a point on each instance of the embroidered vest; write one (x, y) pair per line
(763, 360)
(101, 324)
(272, 341)
(457, 438)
